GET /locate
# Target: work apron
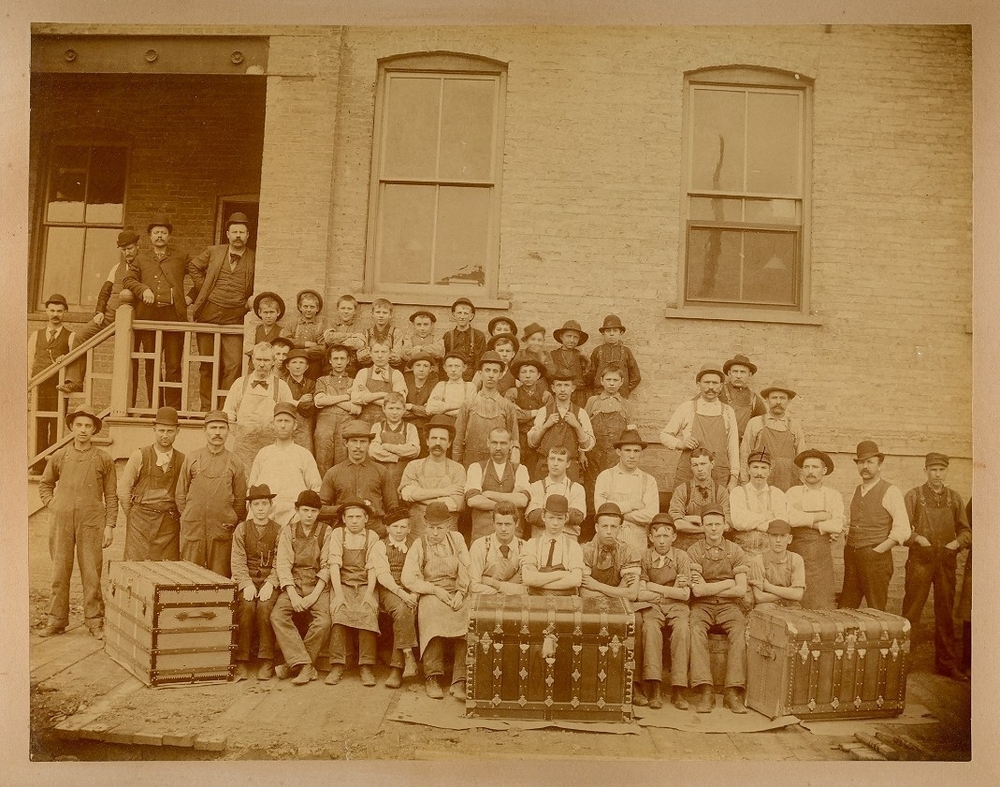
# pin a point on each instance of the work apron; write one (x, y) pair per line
(781, 446)
(372, 412)
(753, 542)
(153, 527)
(434, 617)
(710, 432)
(608, 427)
(355, 613)
(248, 439)
(307, 549)
(814, 547)
(502, 569)
(209, 521)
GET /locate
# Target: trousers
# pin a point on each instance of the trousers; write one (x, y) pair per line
(214, 552)
(404, 624)
(230, 352)
(928, 567)
(730, 617)
(675, 617)
(866, 576)
(367, 644)
(294, 647)
(433, 659)
(173, 351)
(254, 616)
(80, 538)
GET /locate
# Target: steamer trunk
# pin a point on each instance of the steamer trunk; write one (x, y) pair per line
(826, 664)
(550, 657)
(170, 623)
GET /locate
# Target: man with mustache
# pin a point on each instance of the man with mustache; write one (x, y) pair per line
(779, 433)
(436, 478)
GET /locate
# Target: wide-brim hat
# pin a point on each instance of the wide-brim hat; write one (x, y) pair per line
(709, 368)
(778, 385)
(557, 504)
(571, 325)
(530, 330)
(127, 238)
(935, 459)
(813, 453)
(310, 291)
(609, 509)
(260, 492)
(166, 416)
(504, 337)
(238, 218)
(436, 513)
(611, 321)
(356, 429)
(423, 313)
(440, 422)
(493, 323)
(217, 415)
(57, 297)
(630, 437)
(98, 423)
(739, 360)
(269, 294)
(490, 356)
(866, 450)
(309, 497)
(159, 220)
(355, 502)
(516, 366)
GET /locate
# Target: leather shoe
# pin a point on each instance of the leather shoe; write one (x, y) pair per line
(241, 673)
(734, 701)
(653, 689)
(367, 676)
(283, 671)
(306, 674)
(707, 700)
(51, 631)
(97, 632)
(334, 675)
(434, 688)
(395, 679)
(458, 690)
(69, 387)
(677, 698)
(265, 670)
(638, 697)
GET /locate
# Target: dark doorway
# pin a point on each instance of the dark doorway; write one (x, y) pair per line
(230, 205)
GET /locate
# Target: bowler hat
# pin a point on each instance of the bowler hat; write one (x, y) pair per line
(489, 356)
(739, 360)
(354, 502)
(260, 492)
(612, 321)
(217, 415)
(84, 413)
(308, 497)
(283, 340)
(934, 459)
(395, 515)
(778, 527)
(296, 354)
(778, 385)
(503, 337)
(465, 301)
(630, 437)
(497, 320)
(127, 238)
(356, 429)
(423, 313)
(269, 294)
(661, 519)
(516, 366)
(715, 508)
(709, 368)
(166, 416)
(159, 220)
(456, 354)
(310, 291)
(284, 408)
(57, 298)
(238, 218)
(609, 509)
(532, 329)
(866, 450)
(440, 422)
(760, 455)
(571, 325)
(813, 453)
(558, 504)
(436, 513)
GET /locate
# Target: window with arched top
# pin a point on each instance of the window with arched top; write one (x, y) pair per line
(746, 181)
(436, 168)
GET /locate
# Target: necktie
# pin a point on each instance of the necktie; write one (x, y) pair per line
(505, 551)
(261, 383)
(552, 549)
(233, 259)
(49, 336)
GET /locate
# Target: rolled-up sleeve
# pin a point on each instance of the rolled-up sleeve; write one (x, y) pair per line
(892, 501)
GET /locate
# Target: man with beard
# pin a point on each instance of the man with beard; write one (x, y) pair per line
(779, 433)
(878, 522)
(147, 490)
(736, 391)
(435, 478)
(494, 481)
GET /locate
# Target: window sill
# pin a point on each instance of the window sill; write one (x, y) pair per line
(432, 299)
(743, 315)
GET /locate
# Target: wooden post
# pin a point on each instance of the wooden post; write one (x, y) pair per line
(121, 375)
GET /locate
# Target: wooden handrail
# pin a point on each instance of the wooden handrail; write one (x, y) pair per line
(77, 352)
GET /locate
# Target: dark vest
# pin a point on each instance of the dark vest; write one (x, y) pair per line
(396, 557)
(560, 434)
(261, 549)
(870, 522)
(154, 485)
(46, 352)
(231, 287)
(493, 484)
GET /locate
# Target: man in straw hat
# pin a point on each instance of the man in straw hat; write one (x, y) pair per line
(78, 486)
(147, 491)
(779, 433)
(635, 491)
(878, 521)
(737, 393)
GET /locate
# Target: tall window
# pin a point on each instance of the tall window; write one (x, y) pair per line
(84, 211)
(746, 181)
(435, 199)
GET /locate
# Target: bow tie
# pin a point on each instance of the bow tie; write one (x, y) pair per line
(261, 383)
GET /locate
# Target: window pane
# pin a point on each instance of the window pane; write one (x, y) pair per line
(769, 267)
(742, 266)
(717, 140)
(716, 209)
(405, 234)
(462, 235)
(99, 257)
(63, 260)
(411, 127)
(68, 184)
(467, 120)
(713, 265)
(772, 211)
(106, 189)
(774, 139)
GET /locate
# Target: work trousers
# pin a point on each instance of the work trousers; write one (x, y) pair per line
(674, 616)
(77, 370)
(433, 659)
(73, 536)
(214, 552)
(728, 615)
(866, 576)
(254, 616)
(927, 567)
(296, 649)
(404, 624)
(173, 351)
(367, 645)
(230, 352)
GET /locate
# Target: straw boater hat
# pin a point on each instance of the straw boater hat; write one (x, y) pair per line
(496, 320)
(515, 368)
(866, 450)
(778, 385)
(630, 437)
(612, 321)
(609, 509)
(813, 453)
(503, 337)
(706, 369)
(310, 291)
(81, 413)
(739, 360)
(260, 492)
(571, 325)
(269, 294)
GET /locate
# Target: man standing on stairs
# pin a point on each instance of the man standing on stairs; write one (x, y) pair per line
(46, 346)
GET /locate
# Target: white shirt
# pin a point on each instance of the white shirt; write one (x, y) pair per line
(614, 485)
(803, 502)
(287, 470)
(753, 509)
(255, 405)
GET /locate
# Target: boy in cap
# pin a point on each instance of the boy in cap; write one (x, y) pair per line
(567, 358)
(421, 338)
(562, 423)
(254, 553)
(269, 308)
(779, 433)
(46, 346)
(469, 342)
(448, 395)
(420, 379)
(816, 514)
(529, 395)
(777, 576)
(147, 491)
(353, 600)
(211, 498)
(389, 555)
(382, 331)
(373, 382)
(495, 559)
(633, 490)
(940, 530)
(334, 408)
(346, 331)
(614, 351)
(718, 585)
(736, 391)
(665, 582)
(533, 347)
(285, 466)
(610, 415)
(394, 441)
(309, 330)
(303, 390)
(303, 569)
(437, 570)
(78, 486)
(501, 325)
(482, 412)
(754, 504)
(556, 482)
(690, 499)
(552, 563)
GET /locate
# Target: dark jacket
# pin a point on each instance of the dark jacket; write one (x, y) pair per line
(144, 271)
(204, 270)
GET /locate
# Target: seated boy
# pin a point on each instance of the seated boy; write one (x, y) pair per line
(552, 564)
(346, 331)
(394, 441)
(303, 573)
(269, 308)
(303, 389)
(449, 394)
(666, 583)
(307, 332)
(422, 339)
(437, 570)
(778, 576)
(381, 330)
(353, 603)
(568, 358)
(495, 559)
(389, 556)
(371, 384)
(556, 482)
(255, 546)
(718, 584)
(334, 408)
